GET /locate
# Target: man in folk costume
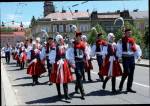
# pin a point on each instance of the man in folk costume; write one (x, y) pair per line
(35, 67)
(38, 45)
(76, 57)
(61, 73)
(111, 67)
(128, 50)
(97, 49)
(43, 53)
(7, 53)
(50, 48)
(87, 63)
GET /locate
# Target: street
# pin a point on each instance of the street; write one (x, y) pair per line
(44, 94)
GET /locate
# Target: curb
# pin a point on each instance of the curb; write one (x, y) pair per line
(144, 65)
(10, 97)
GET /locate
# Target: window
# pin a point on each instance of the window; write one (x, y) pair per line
(61, 28)
(68, 28)
(54, 28)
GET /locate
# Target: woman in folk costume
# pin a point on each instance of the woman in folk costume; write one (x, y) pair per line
(111, 67)
(43, 53)
(35, 67)
(50, 49)
(29, 48)
(23, 57)
(87, 64)
(128, 50)
(61, 73)
(97, 50)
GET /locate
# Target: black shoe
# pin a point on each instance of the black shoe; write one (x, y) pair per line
(59, 95)
(82, 97)
(114, 91)
(77, 92)
(67, 97)
(90, 80)
(37, 82)
(130, 90)
(104, 85)
(33, 83)
(120, 89)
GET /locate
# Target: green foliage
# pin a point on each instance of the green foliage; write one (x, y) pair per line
(135, 33)
(146, 37)
(33, 21)
(93, 34)
(8, 29)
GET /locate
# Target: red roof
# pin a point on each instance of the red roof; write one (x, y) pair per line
(19, 33)
(66, 16)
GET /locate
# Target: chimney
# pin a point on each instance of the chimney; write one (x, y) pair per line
(63, 11)
(76, 11)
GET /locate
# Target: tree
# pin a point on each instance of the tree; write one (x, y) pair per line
(33, 21)
(146, 37)
(135, 33)
(100, 29)
(93, 34)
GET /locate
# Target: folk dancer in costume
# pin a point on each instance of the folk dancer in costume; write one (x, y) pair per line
(76, 57)
(23, 56)
(111, 67)
(61, 73)
(50, 48)
(7, 53)
(87, 63)
(128, 50)
(97, 50)
(29, 48)
(16, 54)
(35, 67)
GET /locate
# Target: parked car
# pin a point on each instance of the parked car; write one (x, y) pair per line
(3, 52)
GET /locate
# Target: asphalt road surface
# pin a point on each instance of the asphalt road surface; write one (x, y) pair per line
(44, 94)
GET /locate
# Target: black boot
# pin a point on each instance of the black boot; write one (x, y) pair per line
(113, 85)
(122, 81)
(89, 75)
(34, 81)
(58, 90)
(65, 86)
(76, 88)
(104, 82)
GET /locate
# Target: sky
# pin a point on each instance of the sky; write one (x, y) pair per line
(23, 11)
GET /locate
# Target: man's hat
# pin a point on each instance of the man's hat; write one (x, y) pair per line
(78, 34)
(127, 29)
(99, 34)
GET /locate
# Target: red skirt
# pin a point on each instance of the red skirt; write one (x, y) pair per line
(116, 70)
(23, 58)
(36, 68)
(17, 57)
(89, 66)
(61, 77)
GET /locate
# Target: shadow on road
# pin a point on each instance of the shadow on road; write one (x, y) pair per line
(104, 93)
(31, 84)
(23, 78)
(14, 69)
(51, 99)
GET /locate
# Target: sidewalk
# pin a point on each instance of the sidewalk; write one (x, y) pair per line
(143, 62)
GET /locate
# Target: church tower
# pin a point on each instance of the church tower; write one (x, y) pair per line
(48, 8)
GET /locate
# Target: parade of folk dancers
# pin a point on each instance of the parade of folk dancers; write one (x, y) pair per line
(60, 56)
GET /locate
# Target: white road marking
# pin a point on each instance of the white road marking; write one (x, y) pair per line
(146, 86)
